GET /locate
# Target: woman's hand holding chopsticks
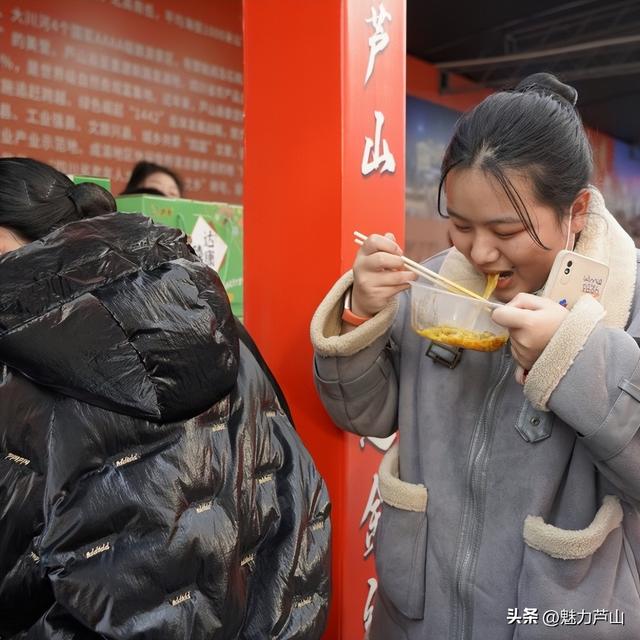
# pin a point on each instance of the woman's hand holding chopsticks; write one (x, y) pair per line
(379, 273)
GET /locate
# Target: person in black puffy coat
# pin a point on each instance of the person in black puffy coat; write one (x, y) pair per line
(151, 485)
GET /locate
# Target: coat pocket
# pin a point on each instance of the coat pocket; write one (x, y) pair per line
(578, 583)
(401, 539)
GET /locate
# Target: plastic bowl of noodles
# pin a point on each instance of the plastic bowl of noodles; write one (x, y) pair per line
(455, 320)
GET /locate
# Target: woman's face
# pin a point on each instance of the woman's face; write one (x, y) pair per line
(162, 182)
(485, 227)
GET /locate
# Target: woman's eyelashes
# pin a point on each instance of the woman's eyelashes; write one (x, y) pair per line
(503, 235)
(507, 234)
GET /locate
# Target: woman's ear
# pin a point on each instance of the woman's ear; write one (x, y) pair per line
(580, 210)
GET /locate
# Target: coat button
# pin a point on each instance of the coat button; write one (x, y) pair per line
(535, 421)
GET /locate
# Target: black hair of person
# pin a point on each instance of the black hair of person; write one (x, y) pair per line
(532, 131)
(142, 170)
(36, 199)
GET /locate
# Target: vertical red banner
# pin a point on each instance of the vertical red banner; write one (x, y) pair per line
(324, 156)
(374, 98)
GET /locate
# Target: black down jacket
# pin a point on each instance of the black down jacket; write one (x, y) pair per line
(150, 484)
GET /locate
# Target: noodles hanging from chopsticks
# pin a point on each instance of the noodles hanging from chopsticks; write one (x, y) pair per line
(492, 283)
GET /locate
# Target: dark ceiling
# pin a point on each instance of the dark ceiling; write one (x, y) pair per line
(592, 45)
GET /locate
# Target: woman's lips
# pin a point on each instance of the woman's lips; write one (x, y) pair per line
(505, 279)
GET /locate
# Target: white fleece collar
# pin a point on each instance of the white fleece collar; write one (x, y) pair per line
(602, 239)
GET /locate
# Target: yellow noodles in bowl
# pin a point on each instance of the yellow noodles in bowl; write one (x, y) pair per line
(465, 338)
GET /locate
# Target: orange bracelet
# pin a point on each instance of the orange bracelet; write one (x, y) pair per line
(348, 316)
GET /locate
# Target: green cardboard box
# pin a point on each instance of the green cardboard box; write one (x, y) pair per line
(214, 230)
(105, 183)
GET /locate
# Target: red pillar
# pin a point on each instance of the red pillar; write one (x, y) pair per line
(308, 185)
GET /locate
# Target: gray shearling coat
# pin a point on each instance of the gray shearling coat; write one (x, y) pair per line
(496, 496)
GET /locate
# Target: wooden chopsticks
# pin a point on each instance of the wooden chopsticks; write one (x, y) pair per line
(427, 273)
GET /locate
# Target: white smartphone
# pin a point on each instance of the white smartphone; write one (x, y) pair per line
(572, 275)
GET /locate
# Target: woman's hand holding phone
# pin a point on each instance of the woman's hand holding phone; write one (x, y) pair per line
(378, 274)
(531, 321)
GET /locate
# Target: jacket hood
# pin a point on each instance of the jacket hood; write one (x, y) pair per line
(119, 312)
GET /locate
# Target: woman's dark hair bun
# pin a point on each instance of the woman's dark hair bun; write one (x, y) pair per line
(36, 199)
(549, 84)
(91, 200)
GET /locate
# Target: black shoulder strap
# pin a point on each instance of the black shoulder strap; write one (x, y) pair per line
(248, 341)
